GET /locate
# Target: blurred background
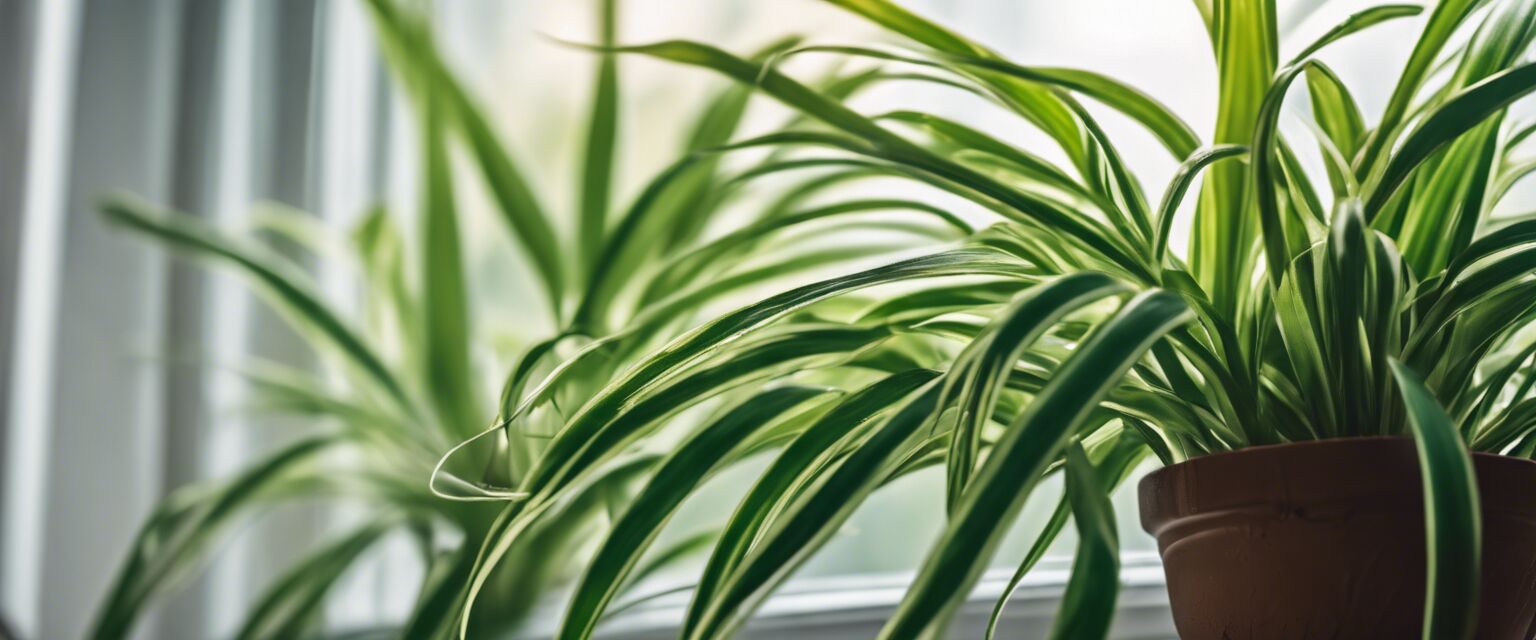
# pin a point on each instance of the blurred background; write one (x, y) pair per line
(113, 358)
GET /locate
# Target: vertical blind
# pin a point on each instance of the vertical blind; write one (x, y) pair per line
(112, 392)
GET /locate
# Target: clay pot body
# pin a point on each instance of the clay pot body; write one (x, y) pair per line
(1326, 540)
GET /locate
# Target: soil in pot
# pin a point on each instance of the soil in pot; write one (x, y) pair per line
(1326, 540)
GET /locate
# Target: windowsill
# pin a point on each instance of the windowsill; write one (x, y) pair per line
(856, 606)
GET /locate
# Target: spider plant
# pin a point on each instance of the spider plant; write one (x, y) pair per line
(405, 375)
(1376, 296)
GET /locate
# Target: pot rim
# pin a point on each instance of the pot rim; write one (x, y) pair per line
(1166, 494)
(1325, 442)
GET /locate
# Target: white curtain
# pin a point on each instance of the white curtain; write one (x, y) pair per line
(107, 399)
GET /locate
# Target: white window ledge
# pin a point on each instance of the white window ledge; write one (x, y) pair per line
(842, 608)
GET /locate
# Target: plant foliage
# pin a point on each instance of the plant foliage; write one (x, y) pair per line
(406, 376)
(1376, 296)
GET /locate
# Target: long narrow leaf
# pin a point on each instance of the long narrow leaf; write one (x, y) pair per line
(177, 537)
(291, 604)
(409, 48)
(1088, 606)
(1016, 329)
(790, 467)
(602, 137)
(445, 301)
(1357, 22)
(1462, 112)
(814, 519)
(1020, 457)
(1119, 457)
(678, 477)
(1183, 178)
(1453, 520)
(288, 291)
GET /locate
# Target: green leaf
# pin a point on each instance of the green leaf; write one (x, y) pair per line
(718, 252)
(602, 136)
(1459, 114)
(704, 340)
(1166, 126)
(1349, 256)
(1020, 160)
(291, 604)
(1118, 457)
(1014, 331)
(1263, 173)
(285, 227)
(287, 290)
(442, 591)
(674, 553)
(1243, 34)
(537, 534)
(697, 196)
(291, 391)
(393, 307)
(1357, 22)
(1179, 185)
(1453, 519)
(896, 18)
(1088, 606)
(623, 413)
(408, 47)
(1442, 23)
(1048, 534)
(611, 421)
(1114, 179)
(792, 468)
(686, 303)
(1336, 113)
(814, 518)
(177, 536)
(1037, 104)
(449, 377)
(1068, 223)
(1020, 456)
(679, 476)
(1449, 194)
(1512, 237)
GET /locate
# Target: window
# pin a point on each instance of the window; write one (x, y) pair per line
(212, 106)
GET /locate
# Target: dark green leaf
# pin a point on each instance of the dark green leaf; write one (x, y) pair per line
(1088, 606)
(1021, 455)
(1453, 520)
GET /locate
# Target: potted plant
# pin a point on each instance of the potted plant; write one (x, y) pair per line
(1316, 372)
(1378, 299)
(410, 362)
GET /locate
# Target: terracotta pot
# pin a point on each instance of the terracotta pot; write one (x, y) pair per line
(1326, 540)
